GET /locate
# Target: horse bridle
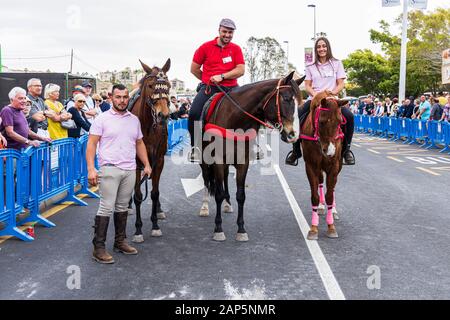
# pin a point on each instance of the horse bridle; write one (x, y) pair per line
(276, 91)
(316, 137)
(161, 92)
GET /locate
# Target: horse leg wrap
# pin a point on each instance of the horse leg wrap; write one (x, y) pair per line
(321, 194)
(330, 219)
(315, 217)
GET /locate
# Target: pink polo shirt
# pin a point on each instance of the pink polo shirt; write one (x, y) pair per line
(324, 76)
(119, 133)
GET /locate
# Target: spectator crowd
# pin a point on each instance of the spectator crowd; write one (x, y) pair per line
(425, 107)
(37, 115)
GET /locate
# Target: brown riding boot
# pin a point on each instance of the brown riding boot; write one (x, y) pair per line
(120, 224)
(100, 254)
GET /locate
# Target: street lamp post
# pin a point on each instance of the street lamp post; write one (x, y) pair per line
(287, 55)
(314, 6)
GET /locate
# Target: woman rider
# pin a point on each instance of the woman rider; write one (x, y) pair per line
(326, 73)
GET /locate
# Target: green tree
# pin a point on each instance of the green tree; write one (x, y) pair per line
(265, 58)
(428, 36)
(369, 72)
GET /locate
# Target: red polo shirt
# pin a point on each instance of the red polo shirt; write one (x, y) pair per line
(217, 60)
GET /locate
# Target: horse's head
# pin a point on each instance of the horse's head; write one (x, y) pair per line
(155, 88)
(327, 120)
(280, 107)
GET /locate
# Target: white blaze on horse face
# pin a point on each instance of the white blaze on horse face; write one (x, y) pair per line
(331, 149)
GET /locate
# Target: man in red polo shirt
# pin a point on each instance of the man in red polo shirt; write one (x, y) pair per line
(223, 63)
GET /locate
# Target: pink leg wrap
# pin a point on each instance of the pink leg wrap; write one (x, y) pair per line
(315, 217)
(322, 194)
(334, 199)
(330, 218)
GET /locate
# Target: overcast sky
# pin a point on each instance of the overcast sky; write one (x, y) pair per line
(111, 35)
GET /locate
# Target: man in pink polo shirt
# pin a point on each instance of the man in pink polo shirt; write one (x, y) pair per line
(118, 135)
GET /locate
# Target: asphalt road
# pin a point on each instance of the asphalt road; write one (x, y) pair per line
(393, 239)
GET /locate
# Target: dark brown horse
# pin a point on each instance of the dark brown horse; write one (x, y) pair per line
(152, 109)
(322, 146)
(270, 102)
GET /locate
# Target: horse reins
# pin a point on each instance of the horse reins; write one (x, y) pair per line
(276, 92)
(316, 137)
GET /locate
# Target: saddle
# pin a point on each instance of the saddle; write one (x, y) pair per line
(208, 110)
(134, 96)
(210, 106)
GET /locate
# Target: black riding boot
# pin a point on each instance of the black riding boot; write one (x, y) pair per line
(347, 154)
(296, 153)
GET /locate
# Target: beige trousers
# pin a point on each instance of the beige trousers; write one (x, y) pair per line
(116, 187)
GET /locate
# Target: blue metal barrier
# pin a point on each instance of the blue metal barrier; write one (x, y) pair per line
(11, 193)
(431, 134)
(177, 131)
(36, 175)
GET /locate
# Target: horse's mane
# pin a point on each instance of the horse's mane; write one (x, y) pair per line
(319, 97)
(251, 85)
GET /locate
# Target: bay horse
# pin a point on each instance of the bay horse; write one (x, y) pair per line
(152, 109)
(322, 137)
(270, 103)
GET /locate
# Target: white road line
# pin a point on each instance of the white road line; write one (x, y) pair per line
(395, 159)
(373, 151)
(331, 285)
(356, 145)
(428, 171)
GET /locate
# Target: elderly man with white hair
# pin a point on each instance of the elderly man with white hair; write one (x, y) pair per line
(51, 95)
(18, 134)
(37, 118)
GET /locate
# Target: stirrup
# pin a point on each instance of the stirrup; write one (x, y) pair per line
(352, 162)
(194, 155)
(289, 162)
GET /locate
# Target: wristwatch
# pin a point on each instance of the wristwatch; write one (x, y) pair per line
(223, 76)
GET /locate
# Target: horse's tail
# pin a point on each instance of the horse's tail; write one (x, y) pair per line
(209, 178)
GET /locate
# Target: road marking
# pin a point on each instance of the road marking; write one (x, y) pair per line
(441, 168)
(331, 285)
(428, 171)
(50, 212)
(192, 186)
(395, 159)
(356, 145)
(373, 151)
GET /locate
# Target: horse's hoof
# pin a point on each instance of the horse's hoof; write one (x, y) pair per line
(157, 233)
(321, 209)
(227, 208)
(204, 212)
(242, 237)
(332, 234)
(219, 236)
(138, 238)
(161, 215)
(312, 235)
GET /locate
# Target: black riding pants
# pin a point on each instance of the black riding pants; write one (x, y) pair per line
(348, 129)
(195, 112)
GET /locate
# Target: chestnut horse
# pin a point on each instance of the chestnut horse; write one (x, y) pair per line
(270, 103)
(152, 109)
(322, 146)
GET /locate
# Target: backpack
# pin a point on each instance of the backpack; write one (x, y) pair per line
(438, 113)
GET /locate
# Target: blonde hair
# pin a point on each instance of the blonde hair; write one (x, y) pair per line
(49, 88)
(96, 96)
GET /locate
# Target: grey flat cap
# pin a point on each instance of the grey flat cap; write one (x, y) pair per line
(227, 23)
